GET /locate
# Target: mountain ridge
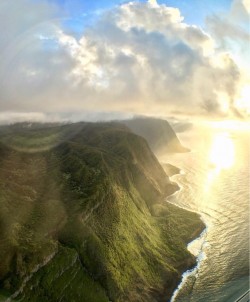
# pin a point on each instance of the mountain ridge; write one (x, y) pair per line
(92, 195)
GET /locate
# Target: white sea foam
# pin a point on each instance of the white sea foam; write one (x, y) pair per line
(196, 248)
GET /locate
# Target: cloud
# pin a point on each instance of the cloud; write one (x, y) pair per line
(136, 58)
(240, 11)
(15, 117)
(153, 3)
(231, 33)
(232, 28)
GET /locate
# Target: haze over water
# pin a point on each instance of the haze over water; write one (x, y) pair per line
(215, 183)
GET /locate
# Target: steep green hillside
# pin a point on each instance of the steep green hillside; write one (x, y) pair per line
(158, 133)
(82, 217)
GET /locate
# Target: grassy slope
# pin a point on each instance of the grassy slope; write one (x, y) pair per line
(92, 195)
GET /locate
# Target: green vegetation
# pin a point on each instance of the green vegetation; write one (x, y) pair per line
(82, 217)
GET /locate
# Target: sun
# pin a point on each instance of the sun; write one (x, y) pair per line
(222, 152)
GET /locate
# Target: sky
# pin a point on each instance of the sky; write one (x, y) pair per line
(80, 9)
(76, 59)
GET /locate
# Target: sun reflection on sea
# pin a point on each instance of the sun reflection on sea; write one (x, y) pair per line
(215, 183)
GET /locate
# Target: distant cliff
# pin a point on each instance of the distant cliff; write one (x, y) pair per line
(83, 217)
(158, 133)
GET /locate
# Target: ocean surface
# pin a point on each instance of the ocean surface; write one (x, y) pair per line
(215, 183)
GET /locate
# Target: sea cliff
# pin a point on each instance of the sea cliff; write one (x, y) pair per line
(158, 132)
(83, 217)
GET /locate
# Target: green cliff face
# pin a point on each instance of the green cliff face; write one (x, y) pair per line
(82, 217)
(158, 133)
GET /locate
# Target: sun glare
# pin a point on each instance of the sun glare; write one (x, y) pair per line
(243, 103)
(230, 125)
(222, 152)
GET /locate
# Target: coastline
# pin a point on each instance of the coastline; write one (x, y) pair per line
(199, 258)
(197, 235)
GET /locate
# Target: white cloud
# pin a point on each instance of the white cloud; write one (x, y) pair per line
(17, 117)
(138, 58)
(246, 4)
(231, 33)
(153, 3)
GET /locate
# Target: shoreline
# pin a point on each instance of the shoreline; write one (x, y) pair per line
(199, 258)
(197, 235)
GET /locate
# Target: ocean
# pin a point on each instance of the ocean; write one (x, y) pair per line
(214, 182)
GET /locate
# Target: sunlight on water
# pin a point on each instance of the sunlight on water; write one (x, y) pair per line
(215, 183)
(222, 152)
